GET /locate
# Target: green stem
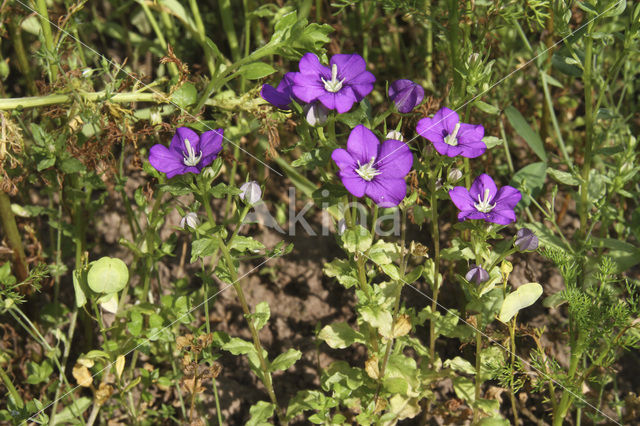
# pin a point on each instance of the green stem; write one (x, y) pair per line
(38, 101)
(173, 69)
(266, 375)
(478, 382)
(217, 399)
(10, 227)
(12, 390)
(227, 24)
(435, 235)
(554, 120)
(41, 7)
(512, 396)
(23, 61)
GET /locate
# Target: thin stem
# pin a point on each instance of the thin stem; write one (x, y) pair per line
(23, 61)
(435, 235)
(41, 7)
(514, 407)
(215, 395)
(266, 374)
(227, 24)
(10, 227)
(38, 101)
(173, 69)
(478, 382)
(12, 390)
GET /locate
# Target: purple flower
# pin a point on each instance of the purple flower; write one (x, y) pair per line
(477, 274)
(406, 94)
(526, 240)
(373, 169)
(338, 87)
(450, 137)
(187, 152)
(484, 201)
(282, 96)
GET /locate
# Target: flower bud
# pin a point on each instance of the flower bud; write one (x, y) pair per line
(315, 113)
(477, 274)
(454, 175)
(155, 117)
(395, 135)
(526, 240)
(406, 95)
(191, 220)
(342, 226)
(251, 192)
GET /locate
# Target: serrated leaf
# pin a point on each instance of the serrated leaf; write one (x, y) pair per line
(339, 335)
(260, 412)
(378, 317)
(531, 137)
(525, 295)
(460, 365)
(285, 360)
(564, 178)
(382, 252)
(464, 388)
(203, 247)
(342, 271)
(242, 244)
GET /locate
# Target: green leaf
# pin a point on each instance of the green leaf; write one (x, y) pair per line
(526, 132)
(342, 271)
(81, 299)
(382, 253)
(243, 244)
(73, 411)
(238, 346)
(561, 177)
(108, 275)
(285, 360)
(221, 190)
(378, 317)
(340, 335)
(185, 95)
(460, 365)
(464, 388)
(485, 107)
(529, 180)
(256, 70)
(135, 325)
(45, 164)
(357, 239)
(71, 165)
(491, 141)
(261, 315)
(524, 296)
(203, 247)
(260, 413)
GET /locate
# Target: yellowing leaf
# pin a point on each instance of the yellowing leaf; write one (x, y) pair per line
(82, 375)
(524, 296)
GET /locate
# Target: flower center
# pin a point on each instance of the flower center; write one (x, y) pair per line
(452, 138)
(367, 171)
(483, 205)
(190, 158)
(334, 84)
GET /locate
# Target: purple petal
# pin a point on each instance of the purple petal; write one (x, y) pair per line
(354, 183)
(362, 144)
(362, 85)
(431, 129)
(341, 101)
(310, 66)
(479, 185)
(462, 199)
(394, 160)
(386, 192)
(448, 117)
(349, 66)
(166, 161)
(343, 159)
(406, 95)
(274, 97)
(470, 133)
(501, 217)
(507, 198)
(446, 149)
(210, 146)
(182, 133)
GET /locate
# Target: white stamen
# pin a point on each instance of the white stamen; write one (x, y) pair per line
(334, 84)
(452, 138)
(483, 205)
(367, 171)
(190, 158)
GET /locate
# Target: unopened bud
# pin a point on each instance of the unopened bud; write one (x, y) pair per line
(395, 135)
(454, 175)
(315, 114)
(251, 192)
(526, 240)
(191, 220)
(477, 274)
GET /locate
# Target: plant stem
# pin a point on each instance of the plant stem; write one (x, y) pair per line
(514, 407)
(227, 25)
(38, 101)
(10, 227)
(478, 382)
(436, 280)
(12, 390)
(173, 69)
(266, 375)
(215, 394)
(23, 63)
(41, 7)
